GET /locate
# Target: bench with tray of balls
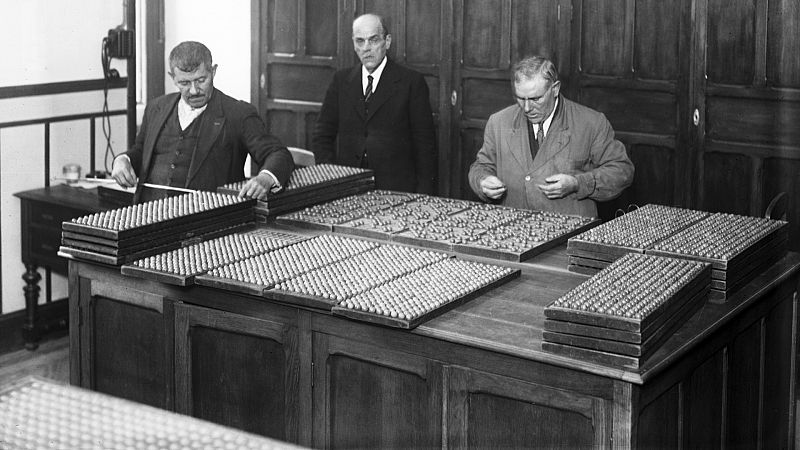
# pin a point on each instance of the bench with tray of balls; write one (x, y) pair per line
(633, 232)
(624, 313)
(126, 234)
(335, 213)
(181, 266)
(327, 271)
(418, 296)
(523, 235)
(259, 274)
(737, 247)
(387, 223)
(310, 185)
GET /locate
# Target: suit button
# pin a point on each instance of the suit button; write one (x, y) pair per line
(528, 178)
(172, 166)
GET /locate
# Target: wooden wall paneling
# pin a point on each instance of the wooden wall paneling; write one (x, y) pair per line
(488, 38)
(783, 65)
(731, 57)
(751, 104)
(728, 179)
(780, 175)
(643, 93)
(238, 371)
(300, 48)
(374, 397)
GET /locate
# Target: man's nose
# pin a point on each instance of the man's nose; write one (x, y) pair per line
(192, 88)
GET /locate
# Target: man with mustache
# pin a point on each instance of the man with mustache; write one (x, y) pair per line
(546, 152)
(199, 138)
(377, 115)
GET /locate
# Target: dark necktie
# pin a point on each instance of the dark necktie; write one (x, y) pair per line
(368, 92)
(540, 134)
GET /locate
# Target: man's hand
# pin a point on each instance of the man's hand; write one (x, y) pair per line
(257, 187)
(122, 172)
(492, 187)
(559, 186)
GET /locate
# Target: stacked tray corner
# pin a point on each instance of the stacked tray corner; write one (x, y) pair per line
(621, 315)
(126, 234)
(309, 186)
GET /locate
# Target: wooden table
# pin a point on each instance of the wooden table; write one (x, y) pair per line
(475, 376)
(42, 212)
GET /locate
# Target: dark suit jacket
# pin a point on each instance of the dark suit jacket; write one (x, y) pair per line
(230, 130)
(398, 135)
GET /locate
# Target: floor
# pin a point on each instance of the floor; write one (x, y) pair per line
(50, 360)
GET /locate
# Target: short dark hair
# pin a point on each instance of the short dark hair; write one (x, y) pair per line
(531, 66)
(188, 55)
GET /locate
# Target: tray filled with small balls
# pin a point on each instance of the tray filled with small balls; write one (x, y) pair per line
(182, 265)
(133, 232)
(737, 247)
(624, 313)
(259, 274)
(524, 235)
(310, 185)
(325, 216)
(335, 282)
(418, 296)
(633, 232)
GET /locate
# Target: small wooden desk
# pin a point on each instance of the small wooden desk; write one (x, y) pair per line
(42, 212)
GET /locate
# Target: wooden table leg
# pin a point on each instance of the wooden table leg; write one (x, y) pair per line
(30, 331)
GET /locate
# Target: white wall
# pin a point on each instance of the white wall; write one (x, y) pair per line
(48, 41)
(224, 27)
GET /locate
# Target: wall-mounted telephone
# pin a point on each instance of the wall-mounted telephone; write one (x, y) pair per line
(119, 43)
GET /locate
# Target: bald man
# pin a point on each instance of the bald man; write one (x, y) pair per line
(377, 115)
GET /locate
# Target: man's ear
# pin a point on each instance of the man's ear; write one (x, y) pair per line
(388, 41)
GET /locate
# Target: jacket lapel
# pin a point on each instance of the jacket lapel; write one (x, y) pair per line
(154, 130)
(557, 139)
(386, 88)
(211, 124)
(354, 92)
(518, 141)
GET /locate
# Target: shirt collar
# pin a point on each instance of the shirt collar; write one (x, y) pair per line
(376, 75)
(187, 114)
(549, 120)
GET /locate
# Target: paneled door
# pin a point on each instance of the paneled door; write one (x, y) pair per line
(631, 61)
(489, 36)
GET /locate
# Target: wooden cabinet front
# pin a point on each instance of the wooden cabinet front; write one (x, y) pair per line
(488, 410)
(237, 371)
(374, 397)
(124, 337)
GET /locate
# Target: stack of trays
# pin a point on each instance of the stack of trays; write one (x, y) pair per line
(622, 314)
(443, 224)
(633, 232)
(123, 235)
(180, 266)
(388, 284)
(310, 185)
(737, 247)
